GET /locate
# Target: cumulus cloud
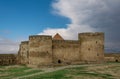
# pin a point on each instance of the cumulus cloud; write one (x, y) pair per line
(68, 33)
(89, 16)
(71, 10)
(8, 46)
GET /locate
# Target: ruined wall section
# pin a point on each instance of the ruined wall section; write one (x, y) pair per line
(65, 51)
(23, 53)
(8, 59)
(40, 50)
(92, 47)
(112, 57)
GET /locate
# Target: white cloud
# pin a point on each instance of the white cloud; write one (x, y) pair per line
(69, 9)
(89, 16)
(8, 46)
(71, 32)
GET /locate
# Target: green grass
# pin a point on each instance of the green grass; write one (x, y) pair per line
(2, 66)
(54, 75)
(94, 74)
(19, 74)
(14, 70)
(11, 72)
(80, 72)
(95, 71)
(83, 71)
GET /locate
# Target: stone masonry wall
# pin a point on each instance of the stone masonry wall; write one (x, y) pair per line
(92, 47)
(65, 51)
(23, 53)
(8, 59)
(40, 50)
(112, 57)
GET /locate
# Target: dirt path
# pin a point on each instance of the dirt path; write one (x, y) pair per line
(46, 70)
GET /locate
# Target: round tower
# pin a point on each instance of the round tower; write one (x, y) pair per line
(40, 50)
(92, 47)
(23, 52)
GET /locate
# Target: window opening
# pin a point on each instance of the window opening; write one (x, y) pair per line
(116, 60)
(59, 61)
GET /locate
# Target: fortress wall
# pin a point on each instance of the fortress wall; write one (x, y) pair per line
(7, 59)
(23, 53)
(109, 59)
(65, 51)
(40, 50)
(112, 57)
(92, 47)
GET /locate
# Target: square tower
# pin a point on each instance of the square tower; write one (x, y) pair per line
(40, 50)
(92, 47)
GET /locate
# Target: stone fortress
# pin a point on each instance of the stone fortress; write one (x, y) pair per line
(43, 50)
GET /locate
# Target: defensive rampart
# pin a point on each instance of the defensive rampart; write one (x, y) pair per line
(8, 59)
(23, 53)
(40, 50)
(66, 51)
(112, 57)
(92, 47)
(44, 50)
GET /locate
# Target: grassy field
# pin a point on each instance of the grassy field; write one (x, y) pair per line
(92, 71)
(10, 72)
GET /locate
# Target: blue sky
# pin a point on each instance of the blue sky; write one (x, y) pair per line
(21, 18)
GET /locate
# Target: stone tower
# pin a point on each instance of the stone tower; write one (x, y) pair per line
(40, 50)
(92, 47)
(23, 52)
